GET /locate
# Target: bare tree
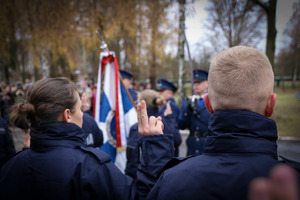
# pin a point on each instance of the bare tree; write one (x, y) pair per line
(269, 8)
(290, 54)
(232, 24)
(156, 15)
(181, 42)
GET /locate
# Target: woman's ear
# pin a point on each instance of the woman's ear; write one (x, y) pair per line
(66, 116)
(207, 104)
(270, 105)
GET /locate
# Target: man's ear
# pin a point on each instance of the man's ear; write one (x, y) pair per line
(207, 104)
(66, 116)
(270, 105)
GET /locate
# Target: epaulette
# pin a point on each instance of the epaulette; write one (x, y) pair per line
(173, 162)
(291, 163)
(101, 156)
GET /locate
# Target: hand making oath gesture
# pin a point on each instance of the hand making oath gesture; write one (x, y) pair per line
(151, 126)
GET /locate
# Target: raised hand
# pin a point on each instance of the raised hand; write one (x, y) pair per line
(281, 185)
(168, 110)
(151, 126)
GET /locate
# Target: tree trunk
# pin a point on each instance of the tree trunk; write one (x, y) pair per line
(152, 69)
(139, 41)
(295, 71)
(272, 32)
(181, 39)
(36, 69)
(270, 10)
(6, 74)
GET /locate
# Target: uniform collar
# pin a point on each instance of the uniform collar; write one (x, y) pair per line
(241, 131)
(152, 111)
(57, 134)
(171, 100)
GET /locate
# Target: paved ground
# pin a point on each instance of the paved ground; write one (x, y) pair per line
(287, 146)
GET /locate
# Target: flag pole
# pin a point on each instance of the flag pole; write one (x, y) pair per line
(103, 47)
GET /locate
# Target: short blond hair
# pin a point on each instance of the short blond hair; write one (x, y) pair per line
(240, 78)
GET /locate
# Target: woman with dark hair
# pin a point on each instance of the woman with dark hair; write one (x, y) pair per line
(58, 164)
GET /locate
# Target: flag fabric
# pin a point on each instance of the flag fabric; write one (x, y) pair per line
(114, 112)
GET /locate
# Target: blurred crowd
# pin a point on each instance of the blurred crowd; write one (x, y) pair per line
(12, 93)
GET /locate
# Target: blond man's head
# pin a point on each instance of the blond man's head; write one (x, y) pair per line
(240, 78)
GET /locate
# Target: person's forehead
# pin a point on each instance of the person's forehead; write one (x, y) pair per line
(163, 91)
(198, 82)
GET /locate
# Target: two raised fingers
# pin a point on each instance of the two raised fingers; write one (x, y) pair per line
(151, 126)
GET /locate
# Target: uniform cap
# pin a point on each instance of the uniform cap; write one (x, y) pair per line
(125, 74)
(163, 84)
(200, 75)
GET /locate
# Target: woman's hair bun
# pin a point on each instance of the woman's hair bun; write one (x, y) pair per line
(152, 98)
(159, 101)
(21, 115)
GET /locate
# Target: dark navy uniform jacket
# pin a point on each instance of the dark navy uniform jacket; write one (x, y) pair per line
(174, 107)
(134, 94)
(175, 113)
(94, 135)
(196, 120)
(240, 147)
(59, 166)
(7, 147)
(132, 141)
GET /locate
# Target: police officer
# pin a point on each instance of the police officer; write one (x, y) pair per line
(194, 115)
(127, 77)
(167, 90)
(153, 102)
(94, 135)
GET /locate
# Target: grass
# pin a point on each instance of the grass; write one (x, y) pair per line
(287, 112)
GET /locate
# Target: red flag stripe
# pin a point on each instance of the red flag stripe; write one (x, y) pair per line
(117, 114)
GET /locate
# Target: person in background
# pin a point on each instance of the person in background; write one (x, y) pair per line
(194, 115)
(137, 86)
(242, 139)
(58, 164)
(93, 87)
(19, 94)
(26, 85)
(167, 90)
(7, 148)
(127, 77)
(94, 135)
(147, 84)
(6, 100)
(153, 102)
(85, 88)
